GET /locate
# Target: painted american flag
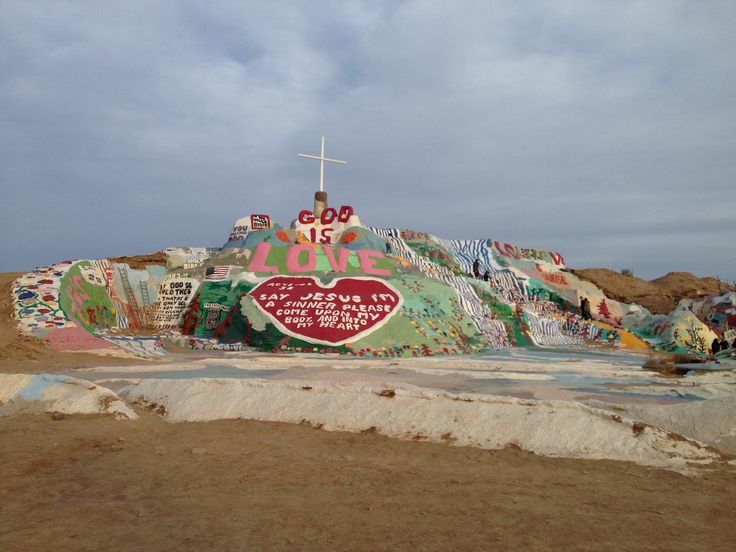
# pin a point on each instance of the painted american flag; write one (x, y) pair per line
(217, 273)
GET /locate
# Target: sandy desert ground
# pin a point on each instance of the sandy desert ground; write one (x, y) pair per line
(91, 483)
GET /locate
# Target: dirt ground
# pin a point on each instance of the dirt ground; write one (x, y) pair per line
(93, 483)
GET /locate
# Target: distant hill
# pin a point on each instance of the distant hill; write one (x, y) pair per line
(142, 261)
(659, 296)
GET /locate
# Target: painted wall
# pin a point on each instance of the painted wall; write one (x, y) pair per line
(83, 306)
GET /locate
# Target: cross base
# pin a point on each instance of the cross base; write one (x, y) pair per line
(320, 203)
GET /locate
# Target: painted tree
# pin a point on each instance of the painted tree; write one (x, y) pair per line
(191, 318)
(603, 309)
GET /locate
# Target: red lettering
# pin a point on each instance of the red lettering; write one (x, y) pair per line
(306, 217)
(507, 250)
(326, 235)
(557, 258)
(346, 211)
(555, 278)
(328, 215)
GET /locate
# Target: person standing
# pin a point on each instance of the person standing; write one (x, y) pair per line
(476, 268)
(585, 308)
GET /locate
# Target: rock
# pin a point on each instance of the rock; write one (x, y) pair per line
(199, 450)
(56, 416)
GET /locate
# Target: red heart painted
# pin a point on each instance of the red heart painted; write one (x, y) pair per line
(342, 311)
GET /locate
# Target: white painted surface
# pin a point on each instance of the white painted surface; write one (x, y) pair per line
(552, 428)
(36, 393)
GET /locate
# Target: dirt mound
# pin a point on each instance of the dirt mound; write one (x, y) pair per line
(141, 261)
(660, 295)
(684, 284)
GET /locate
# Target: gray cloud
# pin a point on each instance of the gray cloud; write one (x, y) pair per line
(603, 131)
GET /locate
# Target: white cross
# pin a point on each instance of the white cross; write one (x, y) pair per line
(322, 160)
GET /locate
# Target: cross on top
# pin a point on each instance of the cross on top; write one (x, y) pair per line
(322, 160)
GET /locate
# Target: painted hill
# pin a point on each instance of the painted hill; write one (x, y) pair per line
(331, 284)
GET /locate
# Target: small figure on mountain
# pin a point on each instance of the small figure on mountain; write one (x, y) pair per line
(585, 309)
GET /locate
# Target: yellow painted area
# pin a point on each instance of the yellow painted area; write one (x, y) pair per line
(627, 339)
(404, 262)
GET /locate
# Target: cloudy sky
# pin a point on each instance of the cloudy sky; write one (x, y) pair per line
(602, 130)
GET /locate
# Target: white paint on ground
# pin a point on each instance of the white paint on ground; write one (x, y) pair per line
(551, 428)
(36, 393)
(712, 421)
